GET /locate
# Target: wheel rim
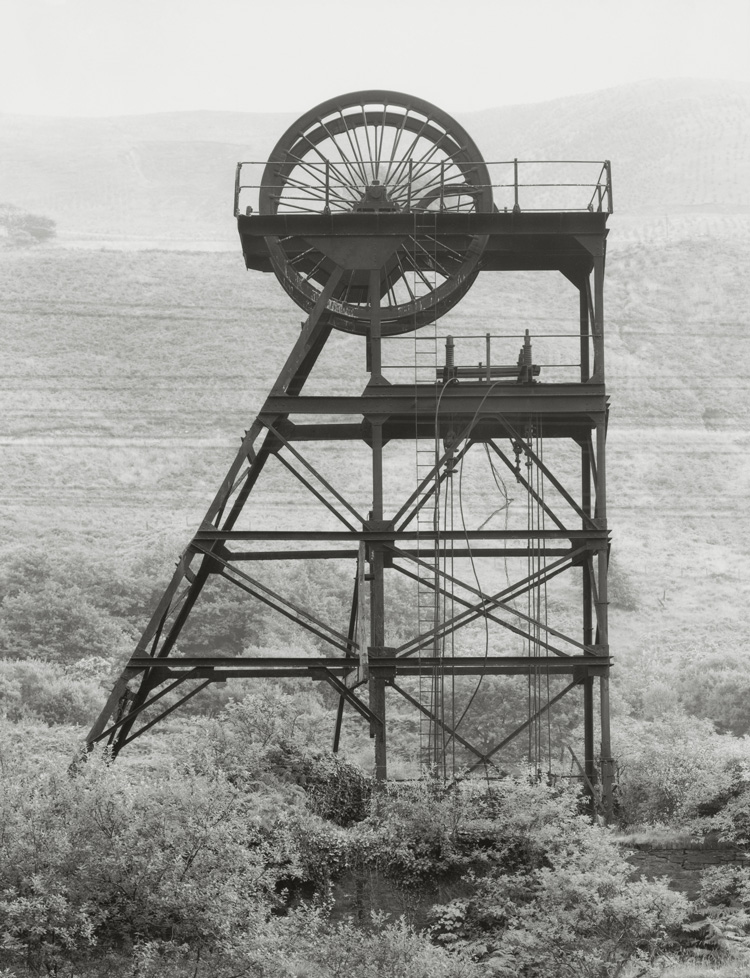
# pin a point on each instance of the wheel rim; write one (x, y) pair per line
(378, 150)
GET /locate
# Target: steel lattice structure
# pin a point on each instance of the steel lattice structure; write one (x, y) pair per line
(376, 212)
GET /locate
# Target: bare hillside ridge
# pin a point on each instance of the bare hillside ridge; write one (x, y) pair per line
(675, 146)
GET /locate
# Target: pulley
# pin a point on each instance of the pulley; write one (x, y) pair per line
(382, 153)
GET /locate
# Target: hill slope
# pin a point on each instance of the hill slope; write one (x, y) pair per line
(129, 377)
(677, 146)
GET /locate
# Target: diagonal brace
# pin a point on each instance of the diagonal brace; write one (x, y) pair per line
(450, 730)
(164, 713)
(500, 599)
(347, 694)
(532, 719)
(311, 488)
(270, 597)
(131, 714)
(310, 468)
(437, 475)
(473, 611)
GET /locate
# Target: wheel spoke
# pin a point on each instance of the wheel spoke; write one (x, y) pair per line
(406, 157)
(415, 267)
(354, 148)
(348, 163)
(323, 158)
(310, 274)
(436, 266)
(301, 256)
(365, 126)
(317, 192)
(355, 135)
(394, 149)
(382, 137)
(444, 246)
(404, 279)
(420, 164)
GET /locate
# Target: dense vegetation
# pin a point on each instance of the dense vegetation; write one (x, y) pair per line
(195, 865)
(222, 845)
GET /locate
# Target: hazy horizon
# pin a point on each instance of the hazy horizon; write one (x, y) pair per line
(91, 60)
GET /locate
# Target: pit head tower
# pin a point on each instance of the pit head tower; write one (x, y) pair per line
(461, 488)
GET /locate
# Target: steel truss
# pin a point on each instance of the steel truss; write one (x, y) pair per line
(383, 540)
(376, 215)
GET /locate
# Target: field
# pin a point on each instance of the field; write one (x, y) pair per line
(131, 375)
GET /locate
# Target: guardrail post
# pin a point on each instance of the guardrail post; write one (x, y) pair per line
(237, 189)
(516, 205)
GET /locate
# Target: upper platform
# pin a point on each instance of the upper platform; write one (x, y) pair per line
(548, 215)
(565, 241)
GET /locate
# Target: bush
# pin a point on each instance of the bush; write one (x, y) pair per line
(49, 692)
(675, 768)
(571, 911)
(104, 859)
(21, 228)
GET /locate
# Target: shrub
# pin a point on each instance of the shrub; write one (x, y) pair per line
(109, 860)
(674, 768)
(571, 911)
(48, 692)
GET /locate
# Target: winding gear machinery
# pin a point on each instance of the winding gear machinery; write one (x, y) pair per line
(377, 152)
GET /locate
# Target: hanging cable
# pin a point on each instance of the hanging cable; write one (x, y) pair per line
(546, 620)
(473, 564)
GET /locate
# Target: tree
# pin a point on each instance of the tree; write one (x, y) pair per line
(21, 228)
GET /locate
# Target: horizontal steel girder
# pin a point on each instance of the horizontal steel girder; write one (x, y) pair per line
(531, 240)
(579, 405)
(221, 667)
(433, 223)
(595, 539)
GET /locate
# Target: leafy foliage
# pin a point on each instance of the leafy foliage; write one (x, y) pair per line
(62, 609)
(49, 692)
(20, 228)
(720, 925)
(569, 909)
(675, 768)
(190, 867)
(110, 860)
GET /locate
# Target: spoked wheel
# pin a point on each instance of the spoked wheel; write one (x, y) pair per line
(379, 152)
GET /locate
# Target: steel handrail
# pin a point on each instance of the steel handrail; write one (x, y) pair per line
(599, 201)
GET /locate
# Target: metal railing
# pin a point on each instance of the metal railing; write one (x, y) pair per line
(516, 186)
(554, 355)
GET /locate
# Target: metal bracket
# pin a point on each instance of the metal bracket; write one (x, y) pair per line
(322, 674)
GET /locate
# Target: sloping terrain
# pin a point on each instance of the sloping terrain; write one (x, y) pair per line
(129, 375)
(675, 147)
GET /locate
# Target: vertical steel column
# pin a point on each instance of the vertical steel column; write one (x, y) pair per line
(583, 312)
(589, 750)
(377, 588)
(603, 555)
(598, 323)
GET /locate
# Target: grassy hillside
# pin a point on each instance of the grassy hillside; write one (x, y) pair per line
(131, 376)
(676, 147)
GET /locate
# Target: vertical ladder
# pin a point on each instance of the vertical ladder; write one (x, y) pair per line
(425, 373)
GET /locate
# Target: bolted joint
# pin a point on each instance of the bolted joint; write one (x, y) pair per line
(213, 562)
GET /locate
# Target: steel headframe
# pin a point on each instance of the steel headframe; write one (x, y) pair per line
(376, 213)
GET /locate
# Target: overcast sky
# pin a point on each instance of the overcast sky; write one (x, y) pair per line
(114, 57)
